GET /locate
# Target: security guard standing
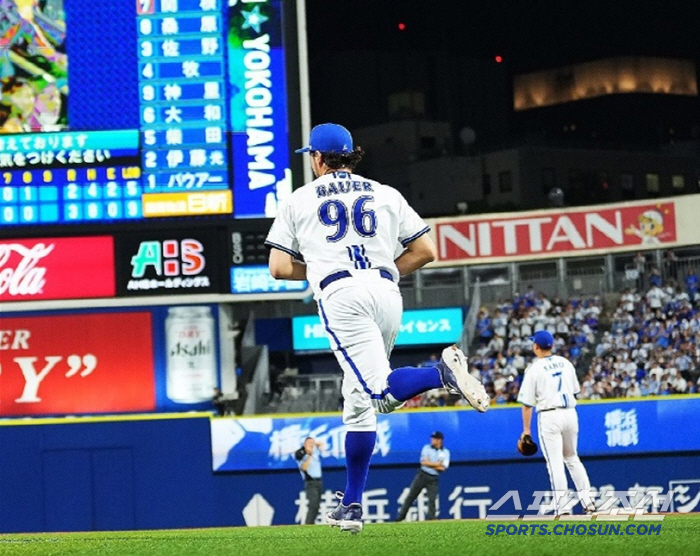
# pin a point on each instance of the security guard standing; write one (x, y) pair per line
(434, 459)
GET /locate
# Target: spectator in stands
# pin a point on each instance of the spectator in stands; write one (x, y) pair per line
(670, 264)
(496, 345)
(500, 324)
(655, 296)
(691, 284)
(655, 277)
(634, 391)
(430, 361)
(640, 263)
(483, 326)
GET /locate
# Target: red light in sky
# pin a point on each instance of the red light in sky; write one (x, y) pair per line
(402, 26)
(498, 59)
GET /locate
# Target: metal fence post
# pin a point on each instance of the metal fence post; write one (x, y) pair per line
(561, 271)
(465, 283)
(609, 273)
(418, 285)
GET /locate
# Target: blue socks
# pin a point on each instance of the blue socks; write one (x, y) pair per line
(404, 384)
(407, 382)
(359, 446)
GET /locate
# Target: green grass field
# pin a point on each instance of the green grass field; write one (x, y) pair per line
(679, 535)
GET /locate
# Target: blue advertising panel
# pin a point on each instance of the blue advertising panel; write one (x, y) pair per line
(608, 429)
(470, 491)
(257, 279)
(418, 327)
(41, 490)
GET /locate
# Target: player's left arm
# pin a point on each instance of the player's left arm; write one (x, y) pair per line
(283, 266)
(418, 253)
(413, 235)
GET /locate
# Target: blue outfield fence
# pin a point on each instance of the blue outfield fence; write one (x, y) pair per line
(157, 471)
(606, 429)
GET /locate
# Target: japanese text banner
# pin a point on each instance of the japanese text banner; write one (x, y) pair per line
(620, 428)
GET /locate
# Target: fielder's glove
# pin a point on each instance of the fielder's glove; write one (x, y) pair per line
(300, 453)
(526, 445)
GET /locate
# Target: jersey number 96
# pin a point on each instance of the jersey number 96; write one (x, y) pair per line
(335, 213)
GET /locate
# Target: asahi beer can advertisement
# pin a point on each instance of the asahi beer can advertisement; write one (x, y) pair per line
(108, 361)
(191, 363)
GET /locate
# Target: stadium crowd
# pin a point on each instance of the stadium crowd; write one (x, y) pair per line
(648, 345)
(652, 347)
(504, 346)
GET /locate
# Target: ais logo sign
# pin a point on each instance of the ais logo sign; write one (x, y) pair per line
(169, 258)
(172, 263)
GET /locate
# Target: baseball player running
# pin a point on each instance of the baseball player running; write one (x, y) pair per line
(550, 385)
(341, 232)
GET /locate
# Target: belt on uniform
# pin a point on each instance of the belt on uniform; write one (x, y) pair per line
(328, 280)
(550, 409)
(313, 480)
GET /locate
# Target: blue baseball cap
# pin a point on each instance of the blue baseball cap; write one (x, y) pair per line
(543, 339)
(329, 138)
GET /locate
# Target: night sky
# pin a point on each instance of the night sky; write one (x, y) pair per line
(528, 34)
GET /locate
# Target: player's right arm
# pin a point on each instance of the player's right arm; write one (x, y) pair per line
(285, 260)
(526, 396)
(418, 253)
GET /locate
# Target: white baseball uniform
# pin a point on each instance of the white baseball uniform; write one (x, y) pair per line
(550, 385)
(347, 228)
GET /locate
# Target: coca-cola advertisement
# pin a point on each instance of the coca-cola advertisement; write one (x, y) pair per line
(171, 263)
(77, 363)
(56, 268)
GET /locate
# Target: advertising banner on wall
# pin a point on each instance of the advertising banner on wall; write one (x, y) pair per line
(418, 327)
(56, 268)
(567, 232)
(171, 263)
(144, 359)
(612, 429)
(669, 483)
(71, 364)
(257, 279)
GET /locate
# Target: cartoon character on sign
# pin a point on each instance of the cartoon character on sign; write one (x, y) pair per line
(651, 226)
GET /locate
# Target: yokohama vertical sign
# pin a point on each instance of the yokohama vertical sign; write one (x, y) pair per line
(56, 268)
(568, 232)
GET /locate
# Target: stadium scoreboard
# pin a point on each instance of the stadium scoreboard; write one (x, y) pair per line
(198, 124)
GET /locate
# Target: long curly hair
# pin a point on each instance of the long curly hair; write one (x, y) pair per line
(336, 161)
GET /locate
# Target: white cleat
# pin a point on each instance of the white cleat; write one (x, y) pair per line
(456, 379)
